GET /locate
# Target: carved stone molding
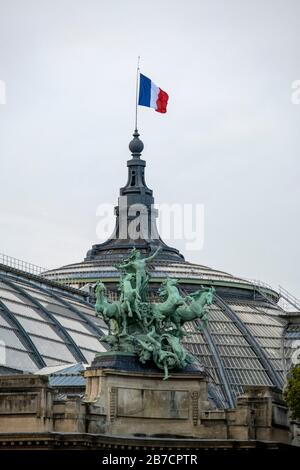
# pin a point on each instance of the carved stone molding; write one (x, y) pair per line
(195, 407)
(113, 404)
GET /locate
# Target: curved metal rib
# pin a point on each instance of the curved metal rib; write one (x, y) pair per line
(221, 370)
(96, 329)
(70, 343)
(224, 379)
(24, 336)
(271, 371)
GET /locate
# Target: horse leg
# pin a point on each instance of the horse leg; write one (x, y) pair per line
(182, 332)
(205, 318)
(124, 322)
(205, 322)
(166, 376)
(138, 284)
(176, 322)
(137, 310)
(129, 308)
(105, 318)
(109, 327)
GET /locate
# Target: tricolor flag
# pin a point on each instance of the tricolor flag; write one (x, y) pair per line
(152, 96)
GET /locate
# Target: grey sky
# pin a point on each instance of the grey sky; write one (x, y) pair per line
(230, 139)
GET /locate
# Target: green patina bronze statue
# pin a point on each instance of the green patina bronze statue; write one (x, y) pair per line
(137, 265)
(153, 331)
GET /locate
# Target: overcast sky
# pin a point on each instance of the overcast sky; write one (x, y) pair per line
(230, 139)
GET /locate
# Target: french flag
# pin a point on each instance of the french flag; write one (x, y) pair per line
(152, 96)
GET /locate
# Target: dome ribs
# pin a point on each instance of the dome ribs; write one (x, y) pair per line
(270, 370)
(70, 343)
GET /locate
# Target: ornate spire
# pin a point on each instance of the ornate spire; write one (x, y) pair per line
(136, 188)
(136, 201)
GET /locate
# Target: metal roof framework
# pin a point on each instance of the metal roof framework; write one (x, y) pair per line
(63, 333)
(24, 336)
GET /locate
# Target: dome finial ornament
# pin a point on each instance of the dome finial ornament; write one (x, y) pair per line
(136, 146)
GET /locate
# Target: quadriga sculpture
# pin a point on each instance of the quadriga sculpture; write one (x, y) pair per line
(152, 331)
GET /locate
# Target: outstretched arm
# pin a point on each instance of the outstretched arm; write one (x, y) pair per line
(154, 254)
(124, 265)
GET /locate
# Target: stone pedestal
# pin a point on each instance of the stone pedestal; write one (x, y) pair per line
(125, 397)
(26, 404)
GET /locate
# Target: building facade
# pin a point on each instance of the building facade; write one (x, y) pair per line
(50, 334)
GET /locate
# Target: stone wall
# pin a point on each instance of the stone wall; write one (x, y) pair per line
(133, 404)
(140, 404)
(123, 404)
(26, 404)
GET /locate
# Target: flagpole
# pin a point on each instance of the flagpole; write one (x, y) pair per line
(136, 90)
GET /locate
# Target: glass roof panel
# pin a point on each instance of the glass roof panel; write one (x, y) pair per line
(199, 349)
(82, 307)
(224, 328)
(242, 362)
(41, 297)
(58, 308)
(10, 338)
(53, 349)
(38, 328)
(265, 331)
(257, 318)
(32, 290)
(72, 324)
(23, 309)
(217, 315)
(54, 362)
(20, 360)
(235, 340)
(8, 294)
(4, 322)
(87, 342)
(245, 351)
(89, 355)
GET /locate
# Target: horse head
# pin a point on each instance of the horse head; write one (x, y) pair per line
(99, 289)
(204, 292)
(210, 295)
(166, 286)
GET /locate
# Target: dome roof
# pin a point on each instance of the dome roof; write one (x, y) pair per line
(243, 342)
(89, 271)
(42, 324)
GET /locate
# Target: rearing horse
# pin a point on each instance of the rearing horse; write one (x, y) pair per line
(162, 310)
(196, 309)
(108, 311)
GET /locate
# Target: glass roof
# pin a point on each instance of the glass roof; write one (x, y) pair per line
(40, 326)
(45, 326)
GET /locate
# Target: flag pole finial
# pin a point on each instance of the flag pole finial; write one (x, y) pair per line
(136, 146)
(136, 91)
